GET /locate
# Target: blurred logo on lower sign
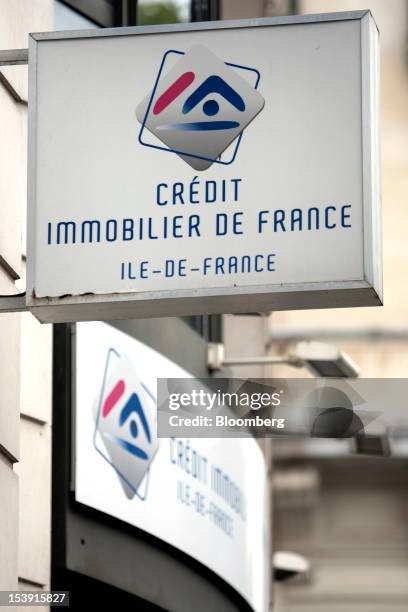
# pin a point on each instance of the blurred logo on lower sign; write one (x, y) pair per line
(125, 423)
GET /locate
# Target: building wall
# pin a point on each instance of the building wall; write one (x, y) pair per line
(353, 525)
(350, 521)
(376, 338)
(25, 346)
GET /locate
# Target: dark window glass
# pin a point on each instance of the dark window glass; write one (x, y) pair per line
(152, 12)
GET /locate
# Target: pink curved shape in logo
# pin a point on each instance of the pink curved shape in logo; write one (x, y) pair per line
(173, 91)
(113, 397)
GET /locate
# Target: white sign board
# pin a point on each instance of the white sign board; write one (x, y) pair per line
(223, 167)
(206, 497)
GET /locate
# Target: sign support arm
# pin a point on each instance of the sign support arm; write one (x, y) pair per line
(13, 57)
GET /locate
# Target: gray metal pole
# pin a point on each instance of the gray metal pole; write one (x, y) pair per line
(13, 57)
(272, 359)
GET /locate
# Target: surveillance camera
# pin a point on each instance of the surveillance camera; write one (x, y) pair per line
(287, 565)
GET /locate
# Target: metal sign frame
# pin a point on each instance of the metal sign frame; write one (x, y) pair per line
(366, 291)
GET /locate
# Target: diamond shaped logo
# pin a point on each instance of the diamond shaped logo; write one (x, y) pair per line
(200, 106)
(125, 425)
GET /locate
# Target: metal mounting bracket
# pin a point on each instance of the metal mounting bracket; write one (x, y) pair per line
(13, 303)
(13, 57)
(216, 359)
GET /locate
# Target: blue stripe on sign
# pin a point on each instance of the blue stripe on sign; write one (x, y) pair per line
(200, 126)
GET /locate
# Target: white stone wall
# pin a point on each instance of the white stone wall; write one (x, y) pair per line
(356, 535)
(25, 346)
(387, 358)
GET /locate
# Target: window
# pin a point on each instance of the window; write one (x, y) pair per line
(150, 12)
(65, 18)
(85, 14)
(79, 14)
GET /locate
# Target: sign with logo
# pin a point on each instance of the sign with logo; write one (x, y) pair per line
(125, 423)
(206, 497)
(204, 168)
